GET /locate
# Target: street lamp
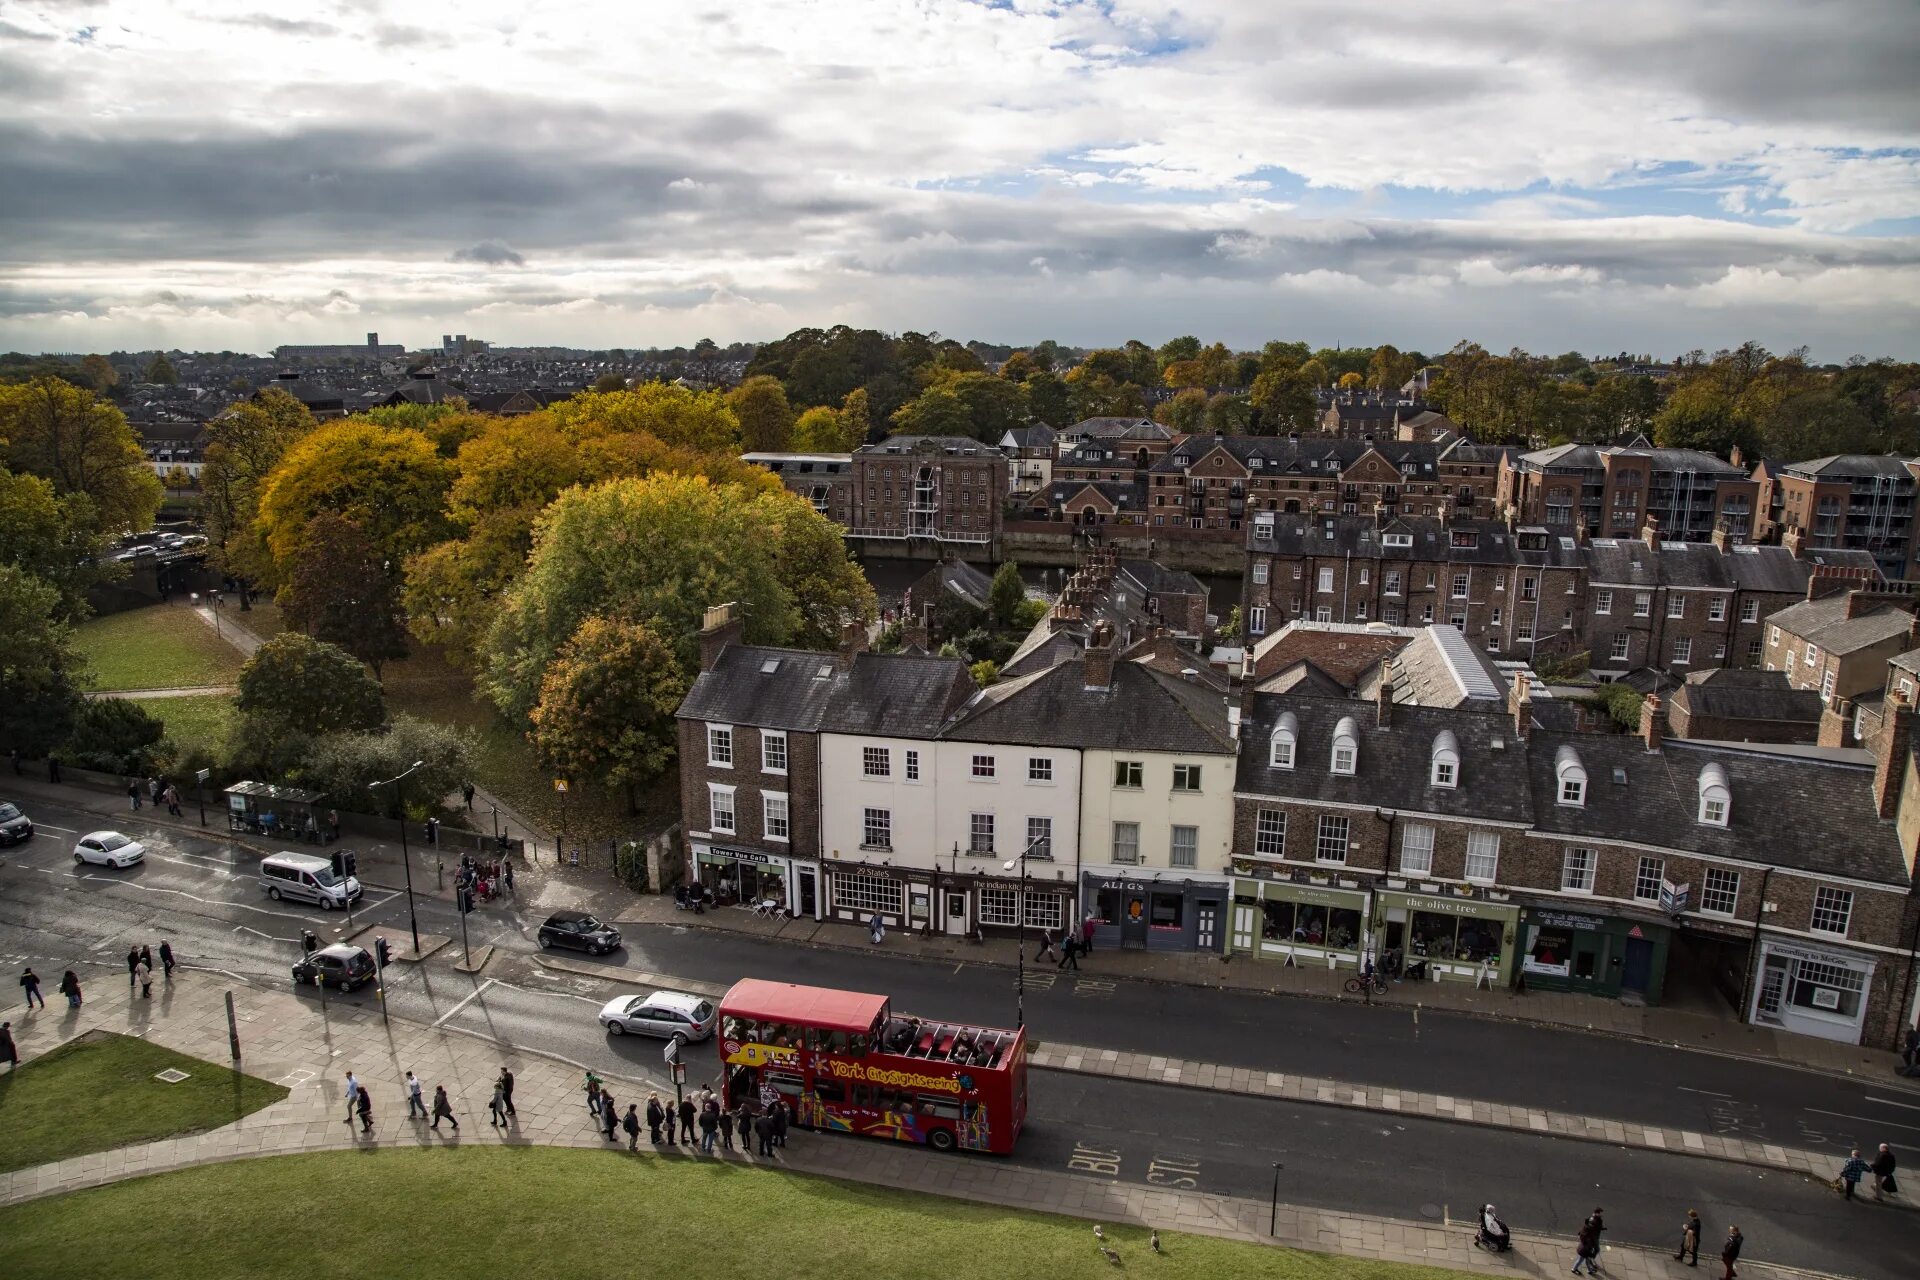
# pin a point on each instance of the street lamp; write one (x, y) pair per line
(406, 863)
(1020, 981)
(1273, 1218)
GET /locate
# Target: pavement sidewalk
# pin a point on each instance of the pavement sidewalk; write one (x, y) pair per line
(1706, 1033)
(308, 1047)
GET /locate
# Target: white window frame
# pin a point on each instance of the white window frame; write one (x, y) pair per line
(1186, 777)
(876, 820)
(1039, 836)
(1129, 775)
(1416, 849)
(1260, 573)
(1483, 851)
(1683, 651)
(1183, 853)
(773, 742)
(1716, 609)
(720, 805)
(1257, 620)
(866, 894)
(1126, 844)
(1333, 840)
(985, 767)
(1325, 579)
(1603, 601)
(1461, 583)
(720, 746)
(1676, 605)
(1813, 655)
(1643, 604)
(1648, 877)
(1749, 611)
(776, 816)
(1579, 867)
(980, 832)
(1831, 905)
(910, 766)
(1727, 891)
(1621, 647)
(876, 762)
(1040, 770)
(1270, 833)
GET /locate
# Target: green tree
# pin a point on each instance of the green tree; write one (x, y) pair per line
(938, 412)
(610, 382)
(855, 419)
(1185, 413)
(1185, 347)
(341, 589)
(674, 415)
(1388, 370)
(113, 735)
(346, 766)
(160, 371)
(1047, 398)
(1004, 597)
(1018, 367)
(449, 424)
(38, 668)
(56, 539)
(1699, 415)
(1285, 400)
(607, 702)
(244, 445)
(824, 430)
(1228, 415)
(100, 374)
(984, 672)
(766, 419)
(393, 483)
(69, 437)
(308, 686)
(994, 406)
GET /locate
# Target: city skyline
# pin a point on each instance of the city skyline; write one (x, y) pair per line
(1654, 180)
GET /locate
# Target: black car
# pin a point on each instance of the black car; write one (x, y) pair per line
(340, 966)
(15, 826)
(580, 931)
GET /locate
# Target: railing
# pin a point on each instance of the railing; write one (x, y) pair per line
(938, 535)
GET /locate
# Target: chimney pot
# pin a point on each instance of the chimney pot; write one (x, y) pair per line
(1650, 726)
(1891, 754)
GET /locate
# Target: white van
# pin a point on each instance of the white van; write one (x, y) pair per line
(307, 878)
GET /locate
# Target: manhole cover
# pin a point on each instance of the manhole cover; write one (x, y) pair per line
(172, 1075)
(1429, 1210)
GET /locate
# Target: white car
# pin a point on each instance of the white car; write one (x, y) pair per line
(109, 849)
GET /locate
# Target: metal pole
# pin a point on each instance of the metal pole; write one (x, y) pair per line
(406, 863)
(1020, 983)
(464, 944)
(233, 1029)
(1273, 1218)
(380, 980)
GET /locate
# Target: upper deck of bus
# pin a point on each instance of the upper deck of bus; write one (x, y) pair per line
(859, 1024)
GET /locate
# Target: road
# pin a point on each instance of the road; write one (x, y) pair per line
(200, 892)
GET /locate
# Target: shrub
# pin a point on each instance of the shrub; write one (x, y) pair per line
(346, 765)
(114, 735)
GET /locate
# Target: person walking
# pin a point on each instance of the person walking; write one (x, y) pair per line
(153, 791)
(442, 1109)
(1730, 1251)
(498, 1105)
(763, 1130)
(353, 1095)
(1690, 1239)
(876, 929)
(1588, 1249)
(506, 1089)
(70, 988)
(30, 983)
(780, 1114)
(709, 1127)
(1086, 936)
(173, 801)
(631, 1123)
(415, 1103)
(333, 824)
(144, 972)
(656, 1115)
(686, 1121)
(1070, 953)
(1883, 1166)
(366, 1111)
(466, 793)
(166, 959)
(133, 794)
(593, 1094)
(1851, 1172)
(506, 875)
(146, 956)
(433, 831)
(1046, 947)
(726, 1129)
(8, 1051)
(1910, 1051)
(133, 962)
(609, 1115)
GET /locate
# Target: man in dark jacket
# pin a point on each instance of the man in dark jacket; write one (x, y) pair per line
(1588, 1250)
(506, 1090)
(166, 959)
(686, 1120)
(763, 1130)
(1730, 1251)
(609, 1116)
(1883, 1166)
(8, 1054)
(133, 962)
(780, 1123)
(1690, 1239)
(656, 1116)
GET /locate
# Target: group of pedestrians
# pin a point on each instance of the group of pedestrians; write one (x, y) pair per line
(1882, 1169)
(157, 792)
(1067, 946)
(1690, 1232)
(360, 1102)
(140, 967)
(697, 1119)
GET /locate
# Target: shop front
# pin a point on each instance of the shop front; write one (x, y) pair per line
(1593, 955)
(1306, 921)
(754, 878)
(1137, 909)
(1449, 938)
(1811, 990)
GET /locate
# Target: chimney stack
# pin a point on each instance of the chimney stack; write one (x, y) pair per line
(1520, 705)
(1650, 727)
(1650, 533)
(1721, 541)
(1383, 701)
(915, 634)
(1891, 754)
(721, 626)
(853, 643)
(1795, 542)
(1097, 666)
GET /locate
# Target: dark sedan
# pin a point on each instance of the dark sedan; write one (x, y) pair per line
(15, 826)
(580, 931)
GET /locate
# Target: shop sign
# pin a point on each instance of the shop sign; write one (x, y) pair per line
(1788, 951)
(744, 855)
(1455, 906)
(1673, 897)
(1349, 898)
(1126, 886)
(1562, 920)
(888, 1077)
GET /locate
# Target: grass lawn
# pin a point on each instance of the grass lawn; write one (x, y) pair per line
(489, 1212)
(158, 647)
(98, 1092)
(207, 719)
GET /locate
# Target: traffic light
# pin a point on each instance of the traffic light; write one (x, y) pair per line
(466, 901)
(309, 943)
(339, 862)
(352, 863)
(382, 952)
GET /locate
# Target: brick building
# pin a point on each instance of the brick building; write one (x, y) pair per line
(1216, 482)
(1854, 501)
(1613, 492)
(1474, 846)
(823, 479)
(945, 489)
(1031, 453)
(1471, 474)
(1743, 704)
(1839, 639)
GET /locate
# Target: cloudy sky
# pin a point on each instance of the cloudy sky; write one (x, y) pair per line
(1643, 174)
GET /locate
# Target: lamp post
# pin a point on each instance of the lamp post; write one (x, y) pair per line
(406, 863)
(1273, 1217)
(1020, 979)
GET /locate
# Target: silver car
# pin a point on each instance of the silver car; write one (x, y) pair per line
(666, 1014)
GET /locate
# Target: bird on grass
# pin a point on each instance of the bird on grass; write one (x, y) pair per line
(1153, 1241)
(1099, 1232)
(1110, 1255)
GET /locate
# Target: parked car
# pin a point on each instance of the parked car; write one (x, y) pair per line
(339, 966)
(666, 1014)
(109, 849)
(15, 826)
(580, 931)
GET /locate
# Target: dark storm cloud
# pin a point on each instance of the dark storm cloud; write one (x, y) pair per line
(491, 253)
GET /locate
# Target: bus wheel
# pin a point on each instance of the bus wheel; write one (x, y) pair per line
(940, 1140)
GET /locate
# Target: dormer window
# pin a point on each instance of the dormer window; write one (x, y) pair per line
(1571, 777)
(1286, 735)
(1346, 746)
(1716, 799)
(1445, 766)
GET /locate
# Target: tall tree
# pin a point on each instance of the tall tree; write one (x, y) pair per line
(766, 419)
(309, 686)
(1047, 398)
(856, 419)
(1185, 413)
(55, 538)
(340, 588)
(1005, 595)
(937, 412)
(822, 430)
(393, 483)
(100, 374)
(674, 415)
(68, 436)
(1285, 400)
(160, 371)
(244, 445)
(38, 669)
(606, 705)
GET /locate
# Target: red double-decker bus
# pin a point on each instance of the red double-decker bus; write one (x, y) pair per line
(846, 1063)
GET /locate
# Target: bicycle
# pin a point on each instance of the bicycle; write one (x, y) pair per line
(1374, 984)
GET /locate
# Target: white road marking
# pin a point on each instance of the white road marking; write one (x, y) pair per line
(1889, 1102)
(194, 897)
(70, 831)
(1864, 1119)
(242, 928)
(1710, 1093)
(470, 997)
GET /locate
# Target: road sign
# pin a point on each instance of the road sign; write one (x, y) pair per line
(672, 1052)
(560, 785)
(1673, 897)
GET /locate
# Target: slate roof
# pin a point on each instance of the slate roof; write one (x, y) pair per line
(1037, 435)
(1845, 466)
(739, 689)
(959, 579)
(1044, 647)
(1745, 693)
(1151, 576)
(1117, 429)
(1298, 533)
(929, 445)
(1588, 457)
(307, 393)
(1304, 678)
(1123, 494)
(897, 695)
(1825, 623)
(1305, 455)
(1908, 661)
(1393, 764)
(1800, 813)
(1442, 668)
(1776, 569)
(1142, 710)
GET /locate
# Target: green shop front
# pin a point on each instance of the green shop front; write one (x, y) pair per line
(1445, 937)
(1591, 954)
(1310, 920)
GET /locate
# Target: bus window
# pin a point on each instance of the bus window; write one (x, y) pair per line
(829, 1041)
(887, 1099)
(831, 1091)
(736, 1029)
(857, 1044)
(862, 1096)
(943, 1108)
(783, 1081)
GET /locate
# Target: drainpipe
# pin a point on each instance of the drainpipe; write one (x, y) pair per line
(1753, 956)
(1346, 577)
(1906, 1001)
